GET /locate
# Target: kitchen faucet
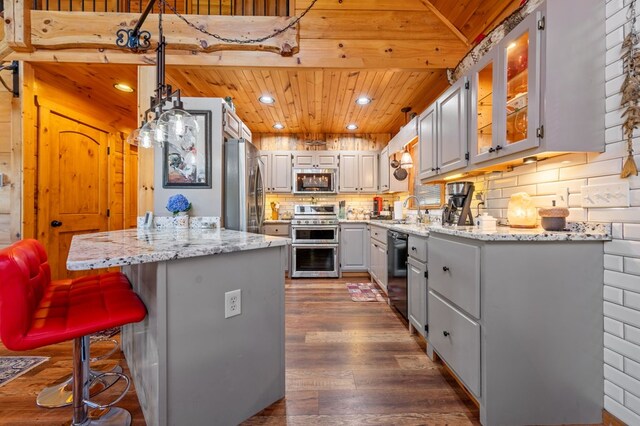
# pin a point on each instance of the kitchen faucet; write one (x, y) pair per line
(406, 201)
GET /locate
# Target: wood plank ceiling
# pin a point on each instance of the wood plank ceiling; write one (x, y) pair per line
(323, 100)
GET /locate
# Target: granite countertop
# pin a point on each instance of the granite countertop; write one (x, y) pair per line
(134, 246)
(577, 231)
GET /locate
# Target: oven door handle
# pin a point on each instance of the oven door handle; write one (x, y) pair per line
(294, 245)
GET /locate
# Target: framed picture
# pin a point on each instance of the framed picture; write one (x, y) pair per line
(189, 165)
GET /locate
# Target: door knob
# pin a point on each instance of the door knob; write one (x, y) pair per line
(56, 223)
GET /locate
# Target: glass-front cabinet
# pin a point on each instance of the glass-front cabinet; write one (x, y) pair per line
(505, 97)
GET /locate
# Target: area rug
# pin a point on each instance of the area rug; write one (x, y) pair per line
(105, 334)
(15, 366)
(364, 292)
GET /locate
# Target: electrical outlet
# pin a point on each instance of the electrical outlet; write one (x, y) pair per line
(232, 303)
(562, 197)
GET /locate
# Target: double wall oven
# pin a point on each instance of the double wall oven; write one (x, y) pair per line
(314, 248)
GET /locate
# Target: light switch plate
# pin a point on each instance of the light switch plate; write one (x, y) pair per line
(606, 195)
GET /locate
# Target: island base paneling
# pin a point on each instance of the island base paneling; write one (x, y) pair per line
(185, 355)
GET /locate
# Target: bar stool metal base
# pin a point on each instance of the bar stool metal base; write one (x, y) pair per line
(114, 417)
(61, 395)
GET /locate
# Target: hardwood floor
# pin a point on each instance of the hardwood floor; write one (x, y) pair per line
(355, 363)
(347, 363)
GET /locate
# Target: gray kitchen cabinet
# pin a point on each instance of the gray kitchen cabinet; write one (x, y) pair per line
(384, 169)
(427, 139)
(315, 159)
(354, 247)
(246, 133)
(279, 230)
(231, 124)
(517, 322)
(417, 283)
(525, 99)
(358, 171)
(277, 174)
(417, 295)
(442, 132)
(387, 181)
(378, 255)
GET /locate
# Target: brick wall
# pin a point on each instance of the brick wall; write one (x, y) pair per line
(621, 290)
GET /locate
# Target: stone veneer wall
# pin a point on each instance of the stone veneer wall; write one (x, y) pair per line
(621, 290)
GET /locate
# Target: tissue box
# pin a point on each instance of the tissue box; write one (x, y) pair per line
(486, 222)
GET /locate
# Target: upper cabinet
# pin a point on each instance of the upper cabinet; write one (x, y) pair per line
(442, 132)
(316, 159)
(387, 182)
(538, 92)
(277, 171)
(358, 171)
(505, 95)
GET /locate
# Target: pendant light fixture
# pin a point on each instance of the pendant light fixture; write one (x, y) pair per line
(406, 162)
(162, 125)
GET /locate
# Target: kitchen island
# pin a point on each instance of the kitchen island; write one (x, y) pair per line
(190, 364)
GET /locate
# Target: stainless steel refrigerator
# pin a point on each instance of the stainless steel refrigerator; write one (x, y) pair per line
(244, 191)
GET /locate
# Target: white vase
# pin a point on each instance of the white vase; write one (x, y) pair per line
(182, 220)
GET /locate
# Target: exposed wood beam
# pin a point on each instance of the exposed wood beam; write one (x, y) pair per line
(69, 30)
(17, 19)
(447, 22)
(340, 54)
(5, 50)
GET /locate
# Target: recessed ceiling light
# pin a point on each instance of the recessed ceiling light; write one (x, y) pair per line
(352, 126)
(363, 100)
(278, 126)
(266, 99)
(123, 87)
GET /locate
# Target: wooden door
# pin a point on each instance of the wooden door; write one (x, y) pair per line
(72, 184)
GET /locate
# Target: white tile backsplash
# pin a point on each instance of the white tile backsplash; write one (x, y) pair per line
(614, 327)
(621, 346)
(631, 333)
(620, 379)
(613, 263)
(614, 359)
(614, 391)
(632, 299)
(613, 294)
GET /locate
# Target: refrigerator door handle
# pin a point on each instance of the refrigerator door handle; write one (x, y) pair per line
(260, 198)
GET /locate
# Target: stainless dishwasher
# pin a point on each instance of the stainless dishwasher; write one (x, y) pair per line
(397, 271)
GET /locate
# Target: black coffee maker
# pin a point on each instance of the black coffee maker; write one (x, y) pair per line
(458, 209)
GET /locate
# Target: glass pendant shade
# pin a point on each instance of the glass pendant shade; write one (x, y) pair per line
(179, 128)
(133, 138)
(147, 134)
(406, 162)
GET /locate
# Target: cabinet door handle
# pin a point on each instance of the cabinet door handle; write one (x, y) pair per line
(445, 268)
(445, 333)
(498, 147)
(413, 249)
(433, 169)
(492, 149)
(55, 223)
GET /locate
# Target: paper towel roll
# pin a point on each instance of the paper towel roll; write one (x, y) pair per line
(397, 210)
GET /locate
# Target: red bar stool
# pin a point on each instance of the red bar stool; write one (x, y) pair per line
(35, 313)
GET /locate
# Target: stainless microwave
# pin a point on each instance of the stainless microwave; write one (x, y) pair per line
(315, 181)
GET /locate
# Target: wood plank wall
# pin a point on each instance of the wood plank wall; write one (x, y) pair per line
(334, 142)
(6, 106)
(41, 84)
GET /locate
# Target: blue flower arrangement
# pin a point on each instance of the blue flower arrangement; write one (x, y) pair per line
(178, 203)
